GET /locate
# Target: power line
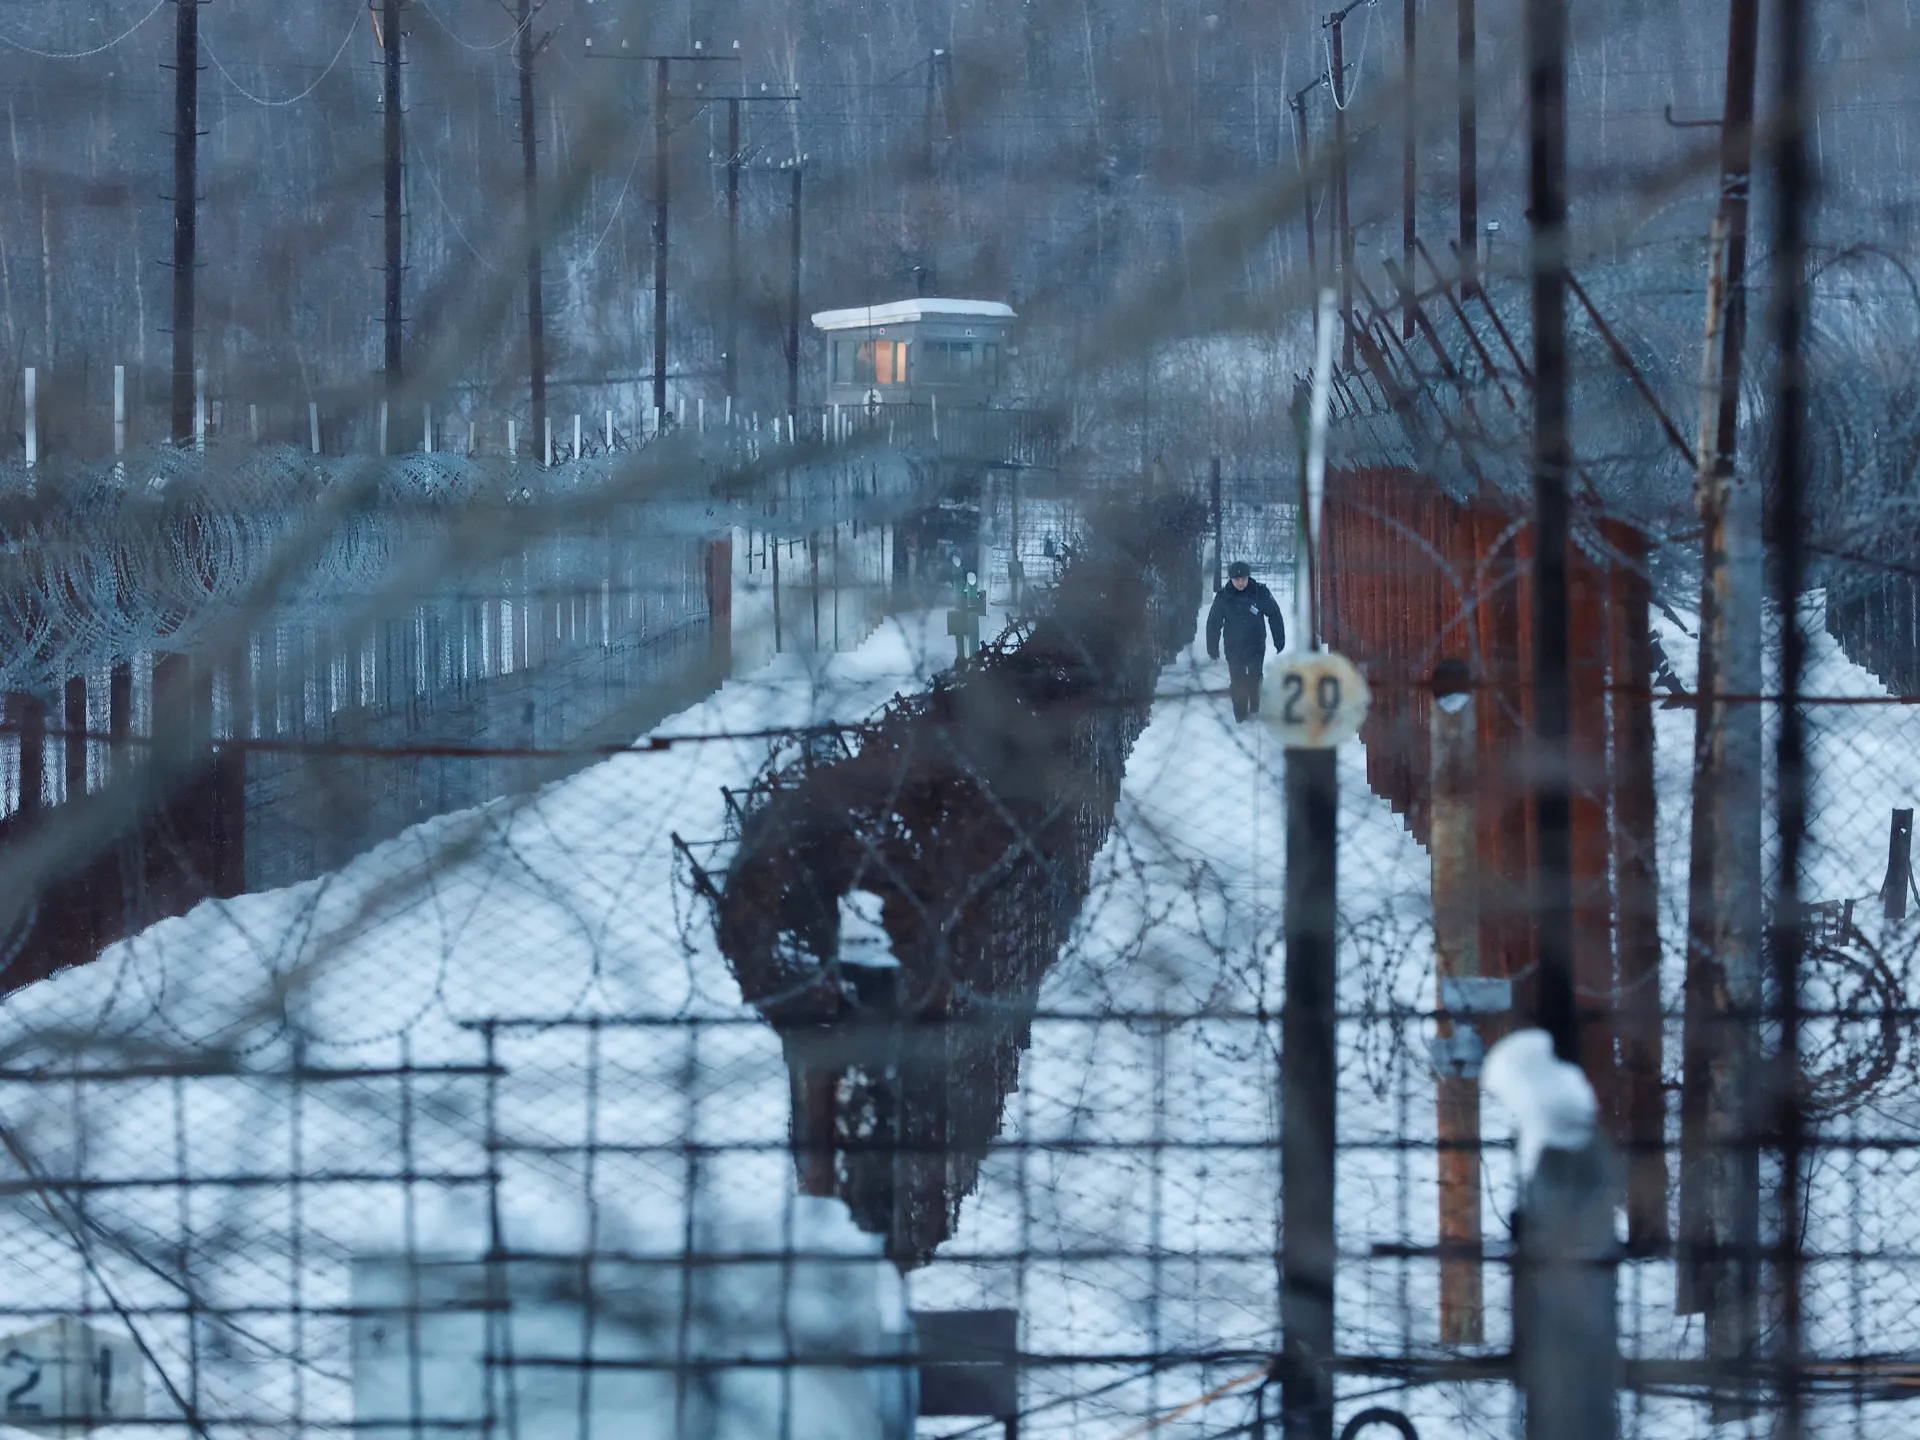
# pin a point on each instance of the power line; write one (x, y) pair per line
(461, 40)
(13, 44)
(228, 76)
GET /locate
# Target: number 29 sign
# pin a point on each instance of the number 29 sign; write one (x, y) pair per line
(1314, 701)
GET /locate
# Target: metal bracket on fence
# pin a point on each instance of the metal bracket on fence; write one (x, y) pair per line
(1463, 998)
(1457, 1056)
(1471, 995)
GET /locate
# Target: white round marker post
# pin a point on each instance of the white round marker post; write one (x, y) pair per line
(1314, 700)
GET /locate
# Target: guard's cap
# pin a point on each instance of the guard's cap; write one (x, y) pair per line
(1239, 570)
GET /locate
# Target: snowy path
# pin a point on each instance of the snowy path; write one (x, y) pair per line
(1185, 919)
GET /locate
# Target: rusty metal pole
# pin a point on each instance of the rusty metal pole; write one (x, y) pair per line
(1453, 842)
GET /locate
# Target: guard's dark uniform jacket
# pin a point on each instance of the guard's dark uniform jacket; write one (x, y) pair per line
(1241, 619)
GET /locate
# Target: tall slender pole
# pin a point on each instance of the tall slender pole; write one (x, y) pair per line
(530, 164)
(1791, 188)
(186, 180)
(1313, 483)
(1303, 149)
(1469, 151)
(793, 297)
(1453, 829)
(732, 358)
(926, 124)
(1547, 186)
(661, 179)
(1409, 174)
(395, 148)
(1308, 1084)
(1343, 217)
(1219, 528)
(1720, 1115)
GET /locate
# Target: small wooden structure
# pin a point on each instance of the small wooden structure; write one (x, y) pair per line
(916, 352)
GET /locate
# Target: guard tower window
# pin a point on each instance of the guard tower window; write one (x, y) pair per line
(959, 362)
(870, 362)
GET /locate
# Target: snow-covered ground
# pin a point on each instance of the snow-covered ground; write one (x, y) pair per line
(561, 904)
(1134, 1209)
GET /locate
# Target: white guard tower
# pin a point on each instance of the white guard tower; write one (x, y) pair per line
(916, 351)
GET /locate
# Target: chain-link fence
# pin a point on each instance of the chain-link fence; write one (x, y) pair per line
(738, 917)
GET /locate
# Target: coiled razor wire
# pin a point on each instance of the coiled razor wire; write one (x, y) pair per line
(99, 563)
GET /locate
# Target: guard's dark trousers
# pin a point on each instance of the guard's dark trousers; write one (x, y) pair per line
(1243, 679)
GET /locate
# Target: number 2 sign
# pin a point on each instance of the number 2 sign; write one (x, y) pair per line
(1314, 701)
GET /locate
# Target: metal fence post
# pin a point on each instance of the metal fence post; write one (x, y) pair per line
(1308, 1074)
(1564, 1304)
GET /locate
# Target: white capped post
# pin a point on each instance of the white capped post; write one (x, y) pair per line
(576, 437)
(729, 415)
(549, 442)
(513, 440)
(313, 425)
(427, 438)
(473, 437)
(609, 430)
(119, 409)
(33, 417)
(383, 427)
(1313, 480)
(200, 410)
(253, 423)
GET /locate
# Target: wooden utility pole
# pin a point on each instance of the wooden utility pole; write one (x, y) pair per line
(186, 180)
(793, 292)
(662, 183)
(937, 128)
(1643, 1101)
(1343, 215)
(732, 358)
(395, 150)
(1409, 121)
(1469, 151)
(661, 179)
(1793, 186)
(1720, 1114)
(530, 164)
(1547, 186)
(1303, 150)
